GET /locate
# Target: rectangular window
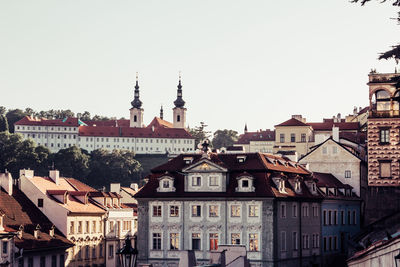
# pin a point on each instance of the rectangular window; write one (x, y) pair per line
(30, 262)
(330, 243)
(174, 211)
(94, 252)
(295, 241)
(127, 225)
(294, 210)
(348, 217)
(72, 228)
(292, 138)
(196, 241)
(100, 250)
(384, 169)
(325, 245)
(253, 242)
(283, 241)
(156, 241)
(111, 251)
(325, 217)
(80, 227)
(354, 218)
(334, 150)
(40, 202)
(213, 180)
(213, 241)
(347, 174)
(343, 218)
(87, 227)
(253, 211)
(112, 226)
(42, 261)
(283, 211)
(324, 150)
(213, 211)
(196, 211)
(174, 241)
(235, 211)
(235, 239)
(330, 217)
(245, 183)
(305, 210)
(196, 181)
(335, 217)
(384, 136)
(165, 183)
(157, 211)
(5, 247)
(303, 138)
(94, 227)
(282, 138)
(335, 244)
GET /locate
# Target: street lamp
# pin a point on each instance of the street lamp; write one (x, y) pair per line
(127, 254)
(397, 259)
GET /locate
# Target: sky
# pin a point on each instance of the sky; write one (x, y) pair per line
(256, 62)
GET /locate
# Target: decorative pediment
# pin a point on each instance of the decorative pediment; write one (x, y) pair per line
(166, 184)
(204, 165)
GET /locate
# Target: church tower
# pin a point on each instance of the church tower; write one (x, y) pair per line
(136, 117)
(179, 110)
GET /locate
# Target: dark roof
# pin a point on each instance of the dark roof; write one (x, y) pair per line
(259, 166)
(327, 125)
(329, 180)
(19, 210)
(357, 138)
(266, 135)
(292, 122)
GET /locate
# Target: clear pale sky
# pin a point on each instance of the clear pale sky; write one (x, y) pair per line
(255, 62)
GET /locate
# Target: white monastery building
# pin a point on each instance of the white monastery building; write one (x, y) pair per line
(159, 137)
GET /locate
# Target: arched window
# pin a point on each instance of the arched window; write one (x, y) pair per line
(382, 100)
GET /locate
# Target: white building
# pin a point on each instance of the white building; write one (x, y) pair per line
(159, 137)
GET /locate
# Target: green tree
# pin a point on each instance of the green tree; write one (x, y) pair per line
(116, 166)
(3, 123)
(224, 138)
(85, 116)
(71, 162)
(14, 115)
(394, 52)
(200, 133)
(2, 110)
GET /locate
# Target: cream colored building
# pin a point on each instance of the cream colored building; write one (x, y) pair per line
(71, 211)
(260, 141)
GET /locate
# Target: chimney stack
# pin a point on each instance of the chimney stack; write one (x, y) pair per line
(26, 173)
(335, 133)
(134, 186)
(115, 187)
(55, 176)
(6, 181)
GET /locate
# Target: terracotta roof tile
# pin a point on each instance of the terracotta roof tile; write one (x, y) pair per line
(266, 135)
(292, 122)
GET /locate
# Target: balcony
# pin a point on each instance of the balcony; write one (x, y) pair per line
(384, 114)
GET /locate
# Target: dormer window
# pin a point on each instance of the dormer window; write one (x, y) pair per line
(188, 160)
(241, 159)
(281, 186)
(245, 184)
(297, 186)
(166, 184)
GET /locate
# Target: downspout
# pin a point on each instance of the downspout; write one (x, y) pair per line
(301, 235)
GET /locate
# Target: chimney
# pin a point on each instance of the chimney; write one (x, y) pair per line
(355, 111)
(335, 133)
(36, 231)
(26, 173)
(134, 186)
(6, 181)
(51, 231)
(55, 176)
(2, 220)
(339, 117)
(115, 187)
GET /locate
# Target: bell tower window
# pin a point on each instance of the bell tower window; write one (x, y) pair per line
(135, 118)
(178, 118)
(382, 101)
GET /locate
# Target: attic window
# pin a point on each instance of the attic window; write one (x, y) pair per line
(270, 160)
(245, 183)
(165, 183)
(297, 186)
(281, 186)
(281, 162)
(241, 159)
(188, 160)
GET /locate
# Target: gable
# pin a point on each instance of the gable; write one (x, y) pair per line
(318, 153)
(204, 165)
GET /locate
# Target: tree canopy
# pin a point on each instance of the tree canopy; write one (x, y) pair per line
(200, 133)
(224, 138)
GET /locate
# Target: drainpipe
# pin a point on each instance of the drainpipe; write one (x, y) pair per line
(301, 235)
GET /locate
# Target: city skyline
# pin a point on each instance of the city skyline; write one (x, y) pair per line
(255, 63)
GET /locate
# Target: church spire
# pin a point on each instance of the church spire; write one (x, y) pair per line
(179, 103)
(136, 103)
(245, 128)
(161, 113)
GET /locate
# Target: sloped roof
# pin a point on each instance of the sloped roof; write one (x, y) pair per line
(292, 122)
(158, 122)
(266, 135)
(28, 120)
(357, 138)
(329, 180)
(19, 210)
(259, 166)
(327, 125)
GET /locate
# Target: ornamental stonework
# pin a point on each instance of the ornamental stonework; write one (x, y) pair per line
(383, 152)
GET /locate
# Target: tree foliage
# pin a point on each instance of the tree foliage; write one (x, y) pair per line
(14, 115)
(3, 123)
(72, 162)
(200, 133)
(116, 166)
(224, 138)
(394, 52)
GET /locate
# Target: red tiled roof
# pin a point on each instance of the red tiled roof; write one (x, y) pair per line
(109, 123)
(157, 122)
(159, 132)
(292, 122)
(78, 185)
(327, 125)
(328, 180)
(266, 135)
(27, 120)
(259, 166)
(19, 210)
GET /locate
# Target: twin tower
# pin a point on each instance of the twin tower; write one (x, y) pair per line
(136, 116)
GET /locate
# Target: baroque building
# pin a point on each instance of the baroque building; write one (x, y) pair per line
(383, 145)
(269, 204)
(158, 137)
